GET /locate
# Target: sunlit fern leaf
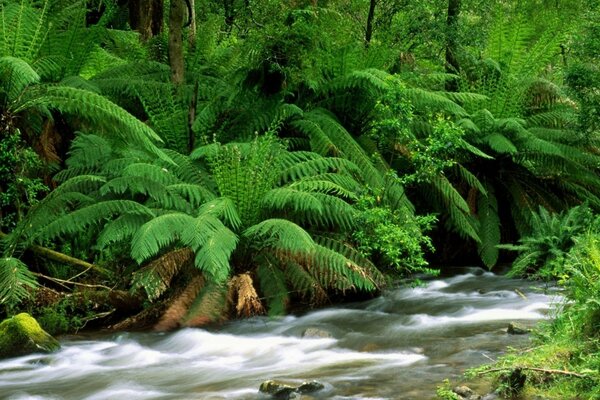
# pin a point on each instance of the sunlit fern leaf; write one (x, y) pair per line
(223, 208)
(88, 216)
(336, 213)
(16, 281)
(489, 227)
(281, 234)
(332, 270)
(213, 244)
(23, 29)
(158, 233)
(97, 110)
(356, 257)
(195, 195)
(273, 285)
(318, 165)
(209, 306)
(186, 169)
(16, 75)
(156, 173)
(323, 186)
(120, 229)
(293, 199)
(155, 278)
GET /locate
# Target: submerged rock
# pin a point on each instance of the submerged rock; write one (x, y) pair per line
(515, 328)
(316, 333)
(285, 391)
(21, 335)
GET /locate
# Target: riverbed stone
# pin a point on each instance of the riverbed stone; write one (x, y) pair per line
(21, 335)
(463, 391)
(285, 391)
(316, 333)
(514, 328)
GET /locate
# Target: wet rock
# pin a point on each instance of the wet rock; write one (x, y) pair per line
(515, 328)
(316, 333)
(21, 335)
(463, 391)
(285, 391)
(278, 390)
(490, 396)
(310, 387)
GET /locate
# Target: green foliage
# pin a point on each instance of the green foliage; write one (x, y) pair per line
(444, 392)
(16, 281)
(394, 239)
(542, 253)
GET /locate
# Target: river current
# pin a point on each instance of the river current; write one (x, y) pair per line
(397, 346)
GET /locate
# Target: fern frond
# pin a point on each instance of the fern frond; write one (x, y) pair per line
(213, 244)
(120, 229)
(223, 208)
(290, 198)
(489, 228)
(16, 281)
(155, 278)
(281, 234)
(158, 233)
(272, 283)
(208, 306)
(16, 75)
(82, 219)
(99, 111)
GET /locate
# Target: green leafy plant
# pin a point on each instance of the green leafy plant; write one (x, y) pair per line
(542, 254)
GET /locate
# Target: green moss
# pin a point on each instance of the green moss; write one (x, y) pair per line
(22, 335)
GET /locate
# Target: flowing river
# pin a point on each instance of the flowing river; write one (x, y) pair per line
(397, 346)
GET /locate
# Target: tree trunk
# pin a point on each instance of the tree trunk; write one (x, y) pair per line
(61, 258)
(369, 27)
(146, 17)
(192, 18)
(176, 21)
(452, 66)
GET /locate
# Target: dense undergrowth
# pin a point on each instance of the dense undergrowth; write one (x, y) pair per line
(271, 155)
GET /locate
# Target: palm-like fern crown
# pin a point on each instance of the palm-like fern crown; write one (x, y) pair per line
(158, 206)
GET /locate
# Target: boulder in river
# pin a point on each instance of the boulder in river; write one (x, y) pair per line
(316, 333)
(285, 391)
(515, 328)
(21, 335)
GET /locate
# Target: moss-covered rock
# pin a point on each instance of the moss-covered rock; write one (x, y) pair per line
(22, 335)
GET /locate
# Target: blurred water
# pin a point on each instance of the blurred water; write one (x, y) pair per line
(397, 346)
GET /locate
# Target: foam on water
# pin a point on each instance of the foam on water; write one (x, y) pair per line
(407, 332)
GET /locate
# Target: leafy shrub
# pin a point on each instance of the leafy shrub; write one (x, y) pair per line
(542, 253)
(394, 239)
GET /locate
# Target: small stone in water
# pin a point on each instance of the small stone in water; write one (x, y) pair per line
(463, 391)
(310, 387)
(517, 329)
(284, 391)
(316, 333)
